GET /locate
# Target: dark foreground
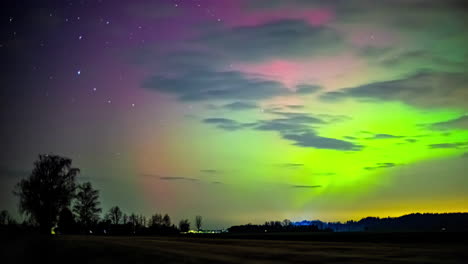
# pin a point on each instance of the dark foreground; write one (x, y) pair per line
(331, 248)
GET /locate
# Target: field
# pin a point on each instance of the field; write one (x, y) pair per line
(328, 248)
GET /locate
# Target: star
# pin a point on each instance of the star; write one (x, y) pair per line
(94, 89)
(80, 37)
(133, 105)
(78, 72)
(107, 22)
(109, 101)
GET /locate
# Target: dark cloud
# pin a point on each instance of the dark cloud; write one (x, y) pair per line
(282, 38)
(306, 186)
(457, 123)
(411, 140)
(293, 126)
(384, 136)
(240, 106)
(383, 165)
(289, 123)
(449, 145)
(310, 139)
(227, 124)
(206, 84)
(423, 89)
(307, 88)
(178, 179)
(295, 106)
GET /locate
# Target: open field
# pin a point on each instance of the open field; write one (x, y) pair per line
(99, 249)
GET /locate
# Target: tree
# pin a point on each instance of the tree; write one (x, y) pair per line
(5, 218)
(87, 205)
(156, 220)
(114, 214)
(66, 222)
(166, 220)
(198, 222)
(286, 223)
(49, 189)
(184, 225)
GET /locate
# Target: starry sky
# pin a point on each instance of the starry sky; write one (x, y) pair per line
(242, 111)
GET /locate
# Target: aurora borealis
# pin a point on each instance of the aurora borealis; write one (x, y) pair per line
(242, 111)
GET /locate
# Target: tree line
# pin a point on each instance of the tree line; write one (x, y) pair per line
(52, 201)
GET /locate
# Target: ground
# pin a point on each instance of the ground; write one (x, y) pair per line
(228, 249)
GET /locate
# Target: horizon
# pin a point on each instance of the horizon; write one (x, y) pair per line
(242, 111)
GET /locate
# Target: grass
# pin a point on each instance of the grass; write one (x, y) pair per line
(247, 248)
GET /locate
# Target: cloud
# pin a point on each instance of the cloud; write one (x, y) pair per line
(227, 124)
(448, 145)
(205, 84)
(237, 106)
(384, 136)
(457, 123)
(295, 106)
(306, 186)
(293, 127)
(310, 139)
(428, 89)
(307, 88)
(281, 38)
(178, 179)
(383, 165)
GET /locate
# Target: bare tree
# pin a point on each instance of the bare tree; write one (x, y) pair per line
(87, 204)
(49, 189)
(114, 215)
(198, 222)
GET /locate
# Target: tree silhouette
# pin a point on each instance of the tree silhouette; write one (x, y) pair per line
(114, 214)
(156, 220)
(49, 189)
(166, 220)
(66, 222)
(184, 225)
(87, 205)
(198, 222)
(5, 218)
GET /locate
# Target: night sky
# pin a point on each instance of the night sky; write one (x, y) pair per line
(242, 111)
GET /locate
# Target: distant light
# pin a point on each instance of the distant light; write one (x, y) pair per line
(78, 72)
